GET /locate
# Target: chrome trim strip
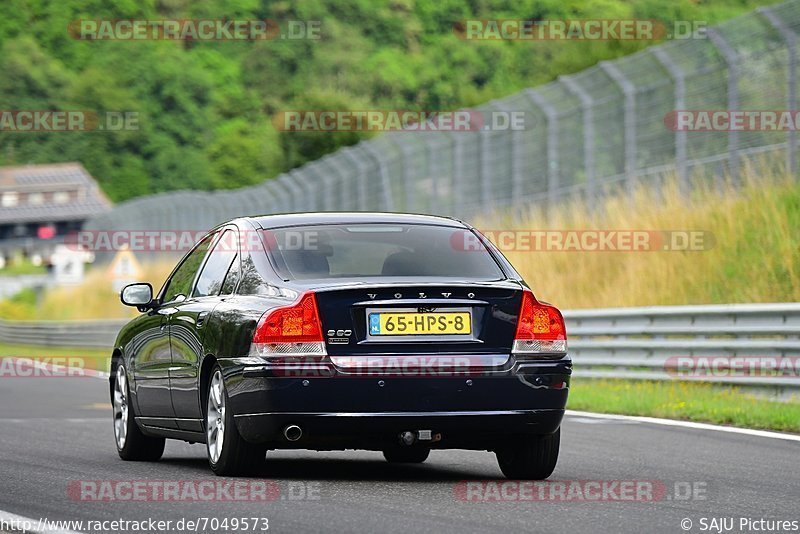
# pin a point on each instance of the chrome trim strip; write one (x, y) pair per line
(422, 302)
(401, 414)
(144, 419)
(439, 362)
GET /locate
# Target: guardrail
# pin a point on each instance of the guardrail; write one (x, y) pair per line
(630, 343)
(648, 343)
(79, 334)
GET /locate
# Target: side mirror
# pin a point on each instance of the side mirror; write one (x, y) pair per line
(139, 295)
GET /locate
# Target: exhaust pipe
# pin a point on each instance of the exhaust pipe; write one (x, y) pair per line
(292, 432)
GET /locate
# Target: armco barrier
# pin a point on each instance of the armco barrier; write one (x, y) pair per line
(631, 343)
(642, 343)
(84, 334)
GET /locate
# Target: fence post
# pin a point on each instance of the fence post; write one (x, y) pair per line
(322, 169)
(731, 60)
(628, 120)
(517, 149)
(679, 99)
(321, 186)
(310, 203)
(383, 172)
(551, 115)
(409, 186)
(275, 189)
(791, 98)
(344, 194)
(404, 175)
(431, 152)
(458, 174)
(588, 134)
(294, 190)
(484, 134)
(351, 154)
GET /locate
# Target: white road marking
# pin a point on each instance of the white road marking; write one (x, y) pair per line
(53, 419)
(59, 371)
(687, 424)
(595, 421)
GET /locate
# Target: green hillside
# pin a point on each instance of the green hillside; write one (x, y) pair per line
(205, 108)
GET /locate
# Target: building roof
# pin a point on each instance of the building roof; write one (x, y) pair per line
(88, 200)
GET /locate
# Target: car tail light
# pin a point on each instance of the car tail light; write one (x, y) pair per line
(540, 329)
(288, 331)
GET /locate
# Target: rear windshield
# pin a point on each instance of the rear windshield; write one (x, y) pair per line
(379, 250)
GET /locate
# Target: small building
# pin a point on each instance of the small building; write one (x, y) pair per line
(41, 204)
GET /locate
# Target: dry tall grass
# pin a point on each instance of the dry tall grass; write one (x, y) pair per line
(95, 297)
(755, 256)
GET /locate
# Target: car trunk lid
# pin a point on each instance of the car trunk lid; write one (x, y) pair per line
(415, 318)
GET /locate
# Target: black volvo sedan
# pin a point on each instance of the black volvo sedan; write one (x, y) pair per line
(331, 331)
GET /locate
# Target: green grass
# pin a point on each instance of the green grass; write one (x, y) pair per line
(687, 401)
(94, 298)
(752, 253)
(22, 267)
(97, 359)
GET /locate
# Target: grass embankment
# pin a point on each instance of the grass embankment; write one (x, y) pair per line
(94, 298)
(98, 359)
(22, 267)
(681, 400)
(754, 255)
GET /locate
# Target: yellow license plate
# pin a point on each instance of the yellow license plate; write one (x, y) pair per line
(419, 324)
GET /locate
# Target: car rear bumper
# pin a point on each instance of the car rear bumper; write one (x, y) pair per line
(369, 412)
(377, 430)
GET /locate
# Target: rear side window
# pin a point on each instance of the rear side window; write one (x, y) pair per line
(217, 266)
(229, 285)
(380, 250)
(180, 284)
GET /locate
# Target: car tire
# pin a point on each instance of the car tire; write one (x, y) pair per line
(407, 455)
(531, 458)
(132, 444)
(235, 456)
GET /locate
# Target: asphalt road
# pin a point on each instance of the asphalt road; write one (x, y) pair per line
(56, 431)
